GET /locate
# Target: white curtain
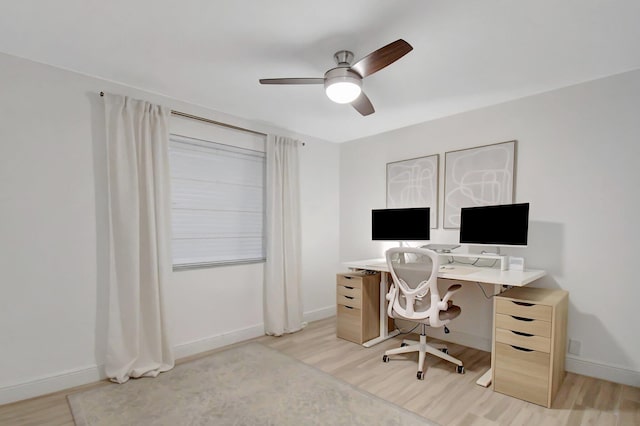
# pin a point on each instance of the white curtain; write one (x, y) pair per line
(140, 263)
(282, 298)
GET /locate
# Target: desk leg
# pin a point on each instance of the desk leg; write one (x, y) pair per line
(384, 329)
(485, 379)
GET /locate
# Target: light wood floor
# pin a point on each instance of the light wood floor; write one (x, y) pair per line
(443, 396)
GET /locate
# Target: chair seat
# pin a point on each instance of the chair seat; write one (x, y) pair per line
(452, 312)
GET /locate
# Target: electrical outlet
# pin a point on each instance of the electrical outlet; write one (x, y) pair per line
(574, 346)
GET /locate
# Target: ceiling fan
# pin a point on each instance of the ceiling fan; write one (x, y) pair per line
(343, 84)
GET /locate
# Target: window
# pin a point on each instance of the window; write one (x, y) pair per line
(217, 202)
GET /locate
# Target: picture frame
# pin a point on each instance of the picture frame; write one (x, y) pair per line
(479, 176)
(415, 183)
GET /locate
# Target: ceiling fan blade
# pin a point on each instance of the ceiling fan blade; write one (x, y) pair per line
(363, 105)
(382, 57)
(292, 81)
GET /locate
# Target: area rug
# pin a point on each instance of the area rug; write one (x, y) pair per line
(246, 385)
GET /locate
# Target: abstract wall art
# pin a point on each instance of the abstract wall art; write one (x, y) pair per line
(478, 176)
(414, 183)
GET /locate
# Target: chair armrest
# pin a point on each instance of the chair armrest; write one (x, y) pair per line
(391, 297)
(443, 305)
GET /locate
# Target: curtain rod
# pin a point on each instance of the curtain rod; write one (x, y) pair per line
(206, 120)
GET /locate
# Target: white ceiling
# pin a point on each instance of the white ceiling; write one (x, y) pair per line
(467, 53)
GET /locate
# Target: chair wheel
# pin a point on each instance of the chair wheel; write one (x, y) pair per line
(460, 369)
(404, 344)
(385, 358)
(420, 375)
(444, 350)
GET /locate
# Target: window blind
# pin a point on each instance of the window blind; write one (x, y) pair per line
(217, 203)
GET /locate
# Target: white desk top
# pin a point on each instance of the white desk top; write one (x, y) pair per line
(464, 272)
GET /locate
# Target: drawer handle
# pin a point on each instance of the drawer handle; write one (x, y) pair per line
(519, 348)
(350, 288)
(350, 297)
(348, 307)
(522, 303)
(347, 277)
(521, 318)
(520, 333)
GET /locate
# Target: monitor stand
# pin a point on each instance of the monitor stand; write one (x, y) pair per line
(441, 248)
(492, 253)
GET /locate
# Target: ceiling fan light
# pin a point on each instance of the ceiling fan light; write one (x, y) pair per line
(343, 90)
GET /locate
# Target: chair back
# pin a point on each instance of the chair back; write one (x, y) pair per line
(414, 293)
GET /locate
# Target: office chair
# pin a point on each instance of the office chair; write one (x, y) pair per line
(414, 296)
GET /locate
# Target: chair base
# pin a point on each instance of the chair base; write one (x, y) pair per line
(423, 349)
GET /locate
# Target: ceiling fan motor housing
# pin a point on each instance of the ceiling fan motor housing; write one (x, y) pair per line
(338, 74)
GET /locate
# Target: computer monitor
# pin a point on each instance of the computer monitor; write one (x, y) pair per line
(501, 225)
(408, 224)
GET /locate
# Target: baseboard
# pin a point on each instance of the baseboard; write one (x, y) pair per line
(218, 341)
(58, 382)
(67, 380)
(320, 314)
(70, 379)
(50, 384)
(240, 335)
(599, 370)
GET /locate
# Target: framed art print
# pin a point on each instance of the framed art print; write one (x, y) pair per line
(479, 176)
(414, 183)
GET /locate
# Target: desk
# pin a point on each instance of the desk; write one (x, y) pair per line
(457, 272)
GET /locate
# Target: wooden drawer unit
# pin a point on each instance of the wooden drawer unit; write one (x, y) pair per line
(349, 296)
(529, 343)
(358, 306)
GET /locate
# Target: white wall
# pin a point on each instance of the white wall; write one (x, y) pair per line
(577, 164)
(53, 236)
